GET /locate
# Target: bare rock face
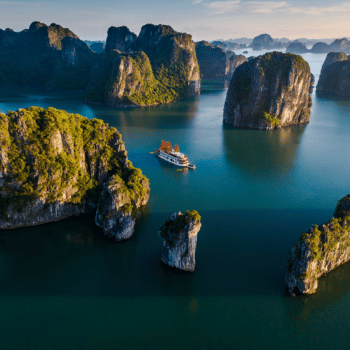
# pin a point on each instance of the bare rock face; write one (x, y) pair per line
(54, 165)
(335, 75)
(119, 203)
(270, 91)
(319, 251)
(180, 240)
(234, 62)
(121, 39)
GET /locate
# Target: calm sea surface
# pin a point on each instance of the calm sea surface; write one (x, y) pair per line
(63, 286)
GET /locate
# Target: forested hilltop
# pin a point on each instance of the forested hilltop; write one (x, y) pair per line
(49, 57)
(54, 164)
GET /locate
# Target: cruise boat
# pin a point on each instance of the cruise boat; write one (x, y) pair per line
(173, 156)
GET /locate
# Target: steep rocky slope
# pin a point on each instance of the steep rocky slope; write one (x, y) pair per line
(158, 66)
(44, 56)
(319, 251)
(214, 62)
(180, 240)
(335, 75)
(54, 164)
(269, 91)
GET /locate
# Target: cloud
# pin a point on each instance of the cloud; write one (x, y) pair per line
(18, 3)
(271, 7)
(196, 2)
(220, 7)
(265, 6)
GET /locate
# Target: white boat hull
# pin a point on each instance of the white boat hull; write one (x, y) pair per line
(171, 160)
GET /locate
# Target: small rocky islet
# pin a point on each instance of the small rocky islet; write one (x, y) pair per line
(270, 91)
(55, 164)
(319, 251)
(179, 233)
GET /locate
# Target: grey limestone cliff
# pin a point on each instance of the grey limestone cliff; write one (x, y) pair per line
(118, 205)
(270, 91)
(319, 251)
(180, 240)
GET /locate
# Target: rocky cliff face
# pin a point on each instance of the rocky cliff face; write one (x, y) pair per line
(234, 62)
(119, 202)
(125, 80)
(121, 39)
(335, 76)
(319, 251)
(54, 164)
(215, 63)
(269, 91)
(44, 56)
(180, 240)
(159, 66)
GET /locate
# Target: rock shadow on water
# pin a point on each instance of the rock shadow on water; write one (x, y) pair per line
(332, 293)
(69, 257)
(174, 115)
(263, 154)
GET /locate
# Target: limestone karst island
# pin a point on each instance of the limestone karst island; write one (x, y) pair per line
(174, 175)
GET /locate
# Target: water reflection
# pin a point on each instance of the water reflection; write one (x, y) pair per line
(263, 154)
(175, 115)
(332, 289)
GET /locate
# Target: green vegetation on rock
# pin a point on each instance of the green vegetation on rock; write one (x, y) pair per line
(54, 156)
(177, 225)
(163, 68)
(320, 250)
(50, 57)
(269, 91)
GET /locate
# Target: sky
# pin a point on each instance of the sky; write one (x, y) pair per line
(204, 19)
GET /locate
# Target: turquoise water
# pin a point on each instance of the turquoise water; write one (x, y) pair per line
(64, 286)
